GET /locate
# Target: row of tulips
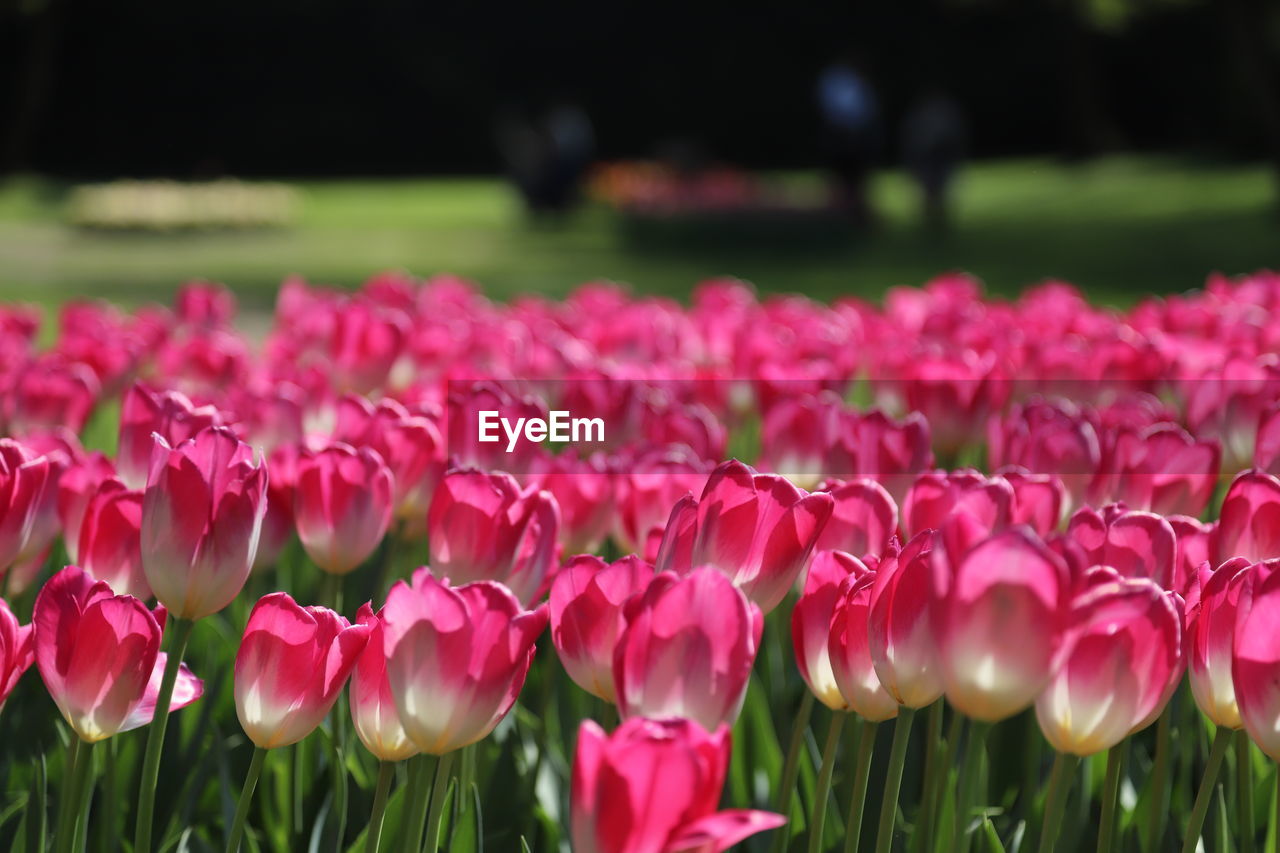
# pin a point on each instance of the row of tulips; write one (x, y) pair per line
(1059, 600)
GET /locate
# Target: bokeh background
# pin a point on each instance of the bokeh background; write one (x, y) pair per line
(1125, 145)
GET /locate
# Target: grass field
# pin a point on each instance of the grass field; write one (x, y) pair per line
(1118, 227)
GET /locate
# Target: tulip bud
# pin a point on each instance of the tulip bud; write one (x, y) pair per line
(99, 655)
(76, 488)
(17, 650)
(201, 517)
(1249, 524)
(1038, 499)
(588, 602)
(110, 542)
(849, 649)
(903, 647)
(342, 505)
(1211, 625)
(292, 663)
(811, 623)
(456, 657)
(1135, 544)
(1255, 656)
(144, 413)
(409, 444)
(654, 785)
(863, 518)
(688, 649)
(28, 501)
(937, 495)
(373, 707)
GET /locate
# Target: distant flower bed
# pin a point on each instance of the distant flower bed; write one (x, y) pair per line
(171, 206)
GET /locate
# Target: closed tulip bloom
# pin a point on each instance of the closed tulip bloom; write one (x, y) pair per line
(588, 602)
(17, 650)
(292, 663)
(1211, 624)
(863, 519)
(653, 786)
(410, 445)
(849, 649)
(373, 708)
(937, 495)
(688, 649)
(811, 624)
(76, 488)
(1161, 469)
(758, 529)
(1249, 524)
(99, 655)
(903, 647)
(144, 413)
(483, 526)
(1038, 499)
(1135, 544)
(110, 542)
(201, 517)
(456, 657)
(1193, 548)
(28, 501)
(1121, 650)
(342, 506)
(1255, 662)
(999, 616)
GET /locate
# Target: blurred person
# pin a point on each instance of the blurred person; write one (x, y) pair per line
(526, 155)
(933, 147)
(572, 145)
(850, 116)
(547, 154)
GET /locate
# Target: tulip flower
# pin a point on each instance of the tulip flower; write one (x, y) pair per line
(278, 522)
(647, 490)
(588, 602)
(1135, 544)
(17, 650)
(1007, 586)
(654, 786)
(1047, 437)
(756, 528)
(1119, 653)
(584, 490)
(110, 541)
(1255, 657)
(1162, 469)
(76, 488)
(688, 649)
(1249, 524)
(342, 505)
(456, 657)
(50, 392)
(904, 650)
(373, 708)
(482, 526)
(410, 445)
(812, 627)
(145, 413)
(1211, 624)
(99, 655)
(936, 495)
(863, 519)
(1038, 499)
(28, 501)
(1193, 548)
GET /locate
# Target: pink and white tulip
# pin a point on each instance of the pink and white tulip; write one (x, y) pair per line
(342, 506)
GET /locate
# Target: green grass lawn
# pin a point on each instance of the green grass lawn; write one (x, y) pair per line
(1118, 227)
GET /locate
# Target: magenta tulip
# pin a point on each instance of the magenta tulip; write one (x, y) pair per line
(863, 519)
(342, 506)
(812, 626)
(1255, 657)
(1211, 623)
(373, 707)
(1249, 524)
(17, 650)
(110, 541)
(903, 646)
(410, 445)
(937, 495)
(28, 501)
(1038, 499)
(145, 413)
(1135, 544)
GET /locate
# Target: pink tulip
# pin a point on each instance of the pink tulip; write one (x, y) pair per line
(1136, 544)
(892, 452)
(1000, 612)
(28, 501)
(588, 603)
(278, 523)
(204, 303)
(17, 650)
(647, 489)
(1047, 437)
(145, 413)
(1249, 524)
(1119, 654)
(937, 495)
(654, 787)
(849, 650)
(1193, 548)
(99, 655)
(903, 646)
(1255, 656)
(76, 488)
(110, 541)
(201, 517)
(811, 625)
(1161, 469)
(688, 649)
(584, 491)
(292, 663)
(342, 506)
(50, 392)
(410, 445)
(1038, 499)
(756, 528)
(956, 392)
(373, 707)
(482, 526)
(456, 657)
(1212, 608)
(863, 519)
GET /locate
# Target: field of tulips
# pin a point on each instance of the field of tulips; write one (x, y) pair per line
(939, 573)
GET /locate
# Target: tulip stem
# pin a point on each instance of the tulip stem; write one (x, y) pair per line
(79, 765)
(1064, 765)
(823, 793)
(933, 738)
(1159, 772)
(893, 782)
(84, 797)
(416, 798)
(969, 772)
(443, 766)
(67, 801)
(1244, 790)
(246, 798)
(373, 839)
(1221, 740)
(155, 737)
(861, 773)
(790, 768)
(1110, 795)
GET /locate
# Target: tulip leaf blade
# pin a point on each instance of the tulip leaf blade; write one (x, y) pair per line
(468, 835)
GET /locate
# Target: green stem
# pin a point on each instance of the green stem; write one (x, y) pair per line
(1244, 791)
(1221, 740)
(1110, 795)
(438, 788)
(373, 840)
(861, 774)
(155, 737)
(418, 796)
(893, 782)
(933, 736)
(340, 771)
(67, 800)
(246, 798)
(790, 768)
(1159, 772)
(823, 793)
(1064, 765)
(969, 772)
(1275, 814)
(88, 778)
(69, 834)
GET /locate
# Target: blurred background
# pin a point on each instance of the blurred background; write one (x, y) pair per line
(1125, 145)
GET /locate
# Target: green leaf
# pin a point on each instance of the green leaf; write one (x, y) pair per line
(990, 838)
(468, 836)
(524, 845)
